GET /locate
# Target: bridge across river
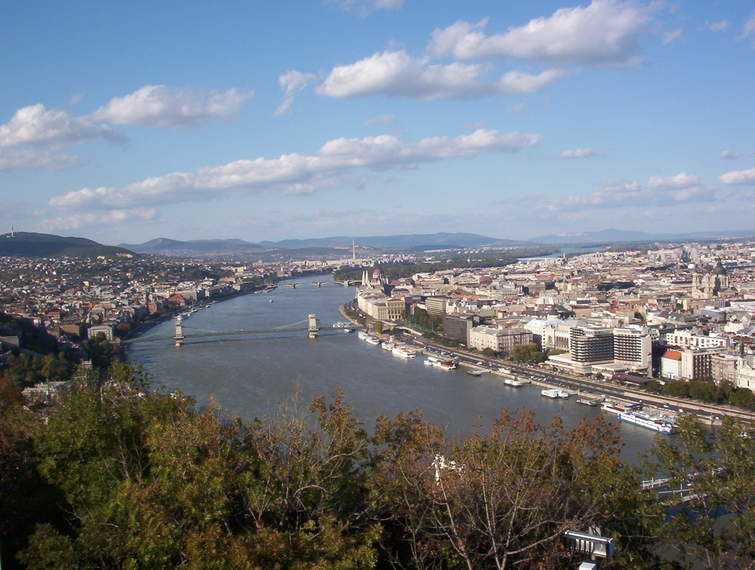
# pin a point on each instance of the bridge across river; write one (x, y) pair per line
(308, 325)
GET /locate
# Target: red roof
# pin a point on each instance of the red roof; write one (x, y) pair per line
(672, 355)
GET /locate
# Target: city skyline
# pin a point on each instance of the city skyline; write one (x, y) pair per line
(377, 117)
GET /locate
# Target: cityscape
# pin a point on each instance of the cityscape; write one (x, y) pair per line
(469, 287)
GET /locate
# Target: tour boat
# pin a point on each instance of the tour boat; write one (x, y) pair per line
(446, 365)
(554, 393)
(661, 424)
(388, 346)
(587, 401)
(402, 352)
(513, 382)
(475, 372)
(372, 340)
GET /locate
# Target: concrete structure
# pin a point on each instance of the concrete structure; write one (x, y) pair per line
(436, 305)
(381, 307)
(590, 345)
(696, 364)
(746, 373)
(105, 330)
(313, 327)
(632, 347)
(457, 328)
(496, 339)
(723, 368)
(685, 339)
(671, 365)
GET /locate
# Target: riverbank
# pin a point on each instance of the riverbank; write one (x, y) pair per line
(709, 413)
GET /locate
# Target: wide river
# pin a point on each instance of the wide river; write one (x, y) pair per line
(251, 374)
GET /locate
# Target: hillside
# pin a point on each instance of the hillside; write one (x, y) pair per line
(168, 246)
(29, 244)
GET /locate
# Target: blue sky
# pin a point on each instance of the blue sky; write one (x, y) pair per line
(274, 120)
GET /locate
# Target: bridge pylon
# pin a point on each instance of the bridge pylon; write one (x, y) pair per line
(313, 328)
(179, 336)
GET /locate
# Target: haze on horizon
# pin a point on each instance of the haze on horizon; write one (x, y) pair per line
(124, 123)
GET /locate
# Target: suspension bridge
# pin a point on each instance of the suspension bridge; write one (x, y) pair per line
(310, 326)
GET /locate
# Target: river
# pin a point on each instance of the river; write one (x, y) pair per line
(250, 374)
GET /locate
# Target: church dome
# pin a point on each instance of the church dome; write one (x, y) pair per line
(719, 269)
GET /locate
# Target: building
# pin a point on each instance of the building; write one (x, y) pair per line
(696, 364)
(711, 283)
(671, 365)
(685, 339)
(589, 345)
(632, 347)
(457, 328)
(746, 373)
(496, 339)
(436, 305)
(381, 307)
(723, 368)
(105, 330)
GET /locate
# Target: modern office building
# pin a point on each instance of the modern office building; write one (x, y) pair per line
(589, 345)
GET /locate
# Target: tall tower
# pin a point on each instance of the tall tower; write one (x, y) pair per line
(353, 250)
(179, 338)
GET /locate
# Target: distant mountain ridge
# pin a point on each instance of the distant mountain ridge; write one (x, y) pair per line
(405, 241)
(30, 244)
(620, 236)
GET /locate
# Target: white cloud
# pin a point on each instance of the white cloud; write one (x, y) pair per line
(35, 135)
(739, 177)
(719, 26)
(291, 83)
(606, 31)
(296, 172)
(38, 126)
(749, 28)
(161, 106)
(577, 153)
(381, 120)
(672, 36)
(516, 108)
(396, 74)
(681, 180)
(76, 221)
(517, 82)
(659, 191)
(730, 155)
(364, 7)
(15, 158)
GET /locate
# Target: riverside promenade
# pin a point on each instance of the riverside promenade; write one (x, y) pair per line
(710, 413)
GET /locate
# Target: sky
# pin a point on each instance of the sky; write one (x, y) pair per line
(123, 122)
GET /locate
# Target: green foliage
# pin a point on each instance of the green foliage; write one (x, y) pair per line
(378, 327)
(714, 526)
(100, 350)
(26, 370)
(527, 353)
(145, 480)
(424, 320)
(706, 392)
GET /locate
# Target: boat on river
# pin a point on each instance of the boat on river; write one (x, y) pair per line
(655, 422)
(554, 393)
(587, 401)
(403, 352)
(513, 382)
(475, 372)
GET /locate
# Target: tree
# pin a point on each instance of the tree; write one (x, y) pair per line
(714, 525)
(527, 353)
(378, 327)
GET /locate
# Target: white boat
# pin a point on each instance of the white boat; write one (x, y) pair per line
(658, 423)
(513, 382)
(504, 371)
(447, 365)
(388, 346)
(362, 335)
(587, 401)
(475, 372)
(402, 352)
(615, 408)
(372, 340)
(554, 393)
(428, 362)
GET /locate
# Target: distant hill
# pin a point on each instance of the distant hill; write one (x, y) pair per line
(403, 241)
(627, 236)
(29, 244)
(167, 246)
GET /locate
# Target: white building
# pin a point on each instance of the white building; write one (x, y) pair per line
(496, 339)
(746, 373)
(685, 339)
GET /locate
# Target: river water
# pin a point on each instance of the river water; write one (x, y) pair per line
(251, 374)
